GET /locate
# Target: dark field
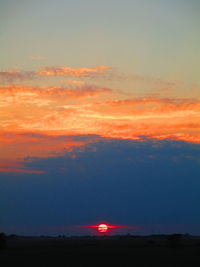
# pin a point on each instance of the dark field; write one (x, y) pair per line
(101, 251)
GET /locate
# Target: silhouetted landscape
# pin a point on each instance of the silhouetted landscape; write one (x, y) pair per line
(124, 250)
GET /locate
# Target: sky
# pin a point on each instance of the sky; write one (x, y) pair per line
(99, 115)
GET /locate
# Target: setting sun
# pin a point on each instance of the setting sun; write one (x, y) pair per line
(102, 228)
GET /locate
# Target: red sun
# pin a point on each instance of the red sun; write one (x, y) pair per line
(103, 228)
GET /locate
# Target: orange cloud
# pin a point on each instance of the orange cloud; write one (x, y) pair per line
(22, 145)
(148, 107)
(161, 118)
(42, 95)
(152, 129)
(40, 121)
(130, 118)
(73, 82)
(76, 72)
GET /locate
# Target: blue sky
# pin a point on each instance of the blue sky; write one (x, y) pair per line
(125, 182)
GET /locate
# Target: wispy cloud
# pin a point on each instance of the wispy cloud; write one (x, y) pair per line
(16, 166)
(73, 82)
(149, 105)
(43, 96)
(53, 71)
(11, 76)
(76, 72)
(98, 72)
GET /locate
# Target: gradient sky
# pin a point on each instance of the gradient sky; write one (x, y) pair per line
(99, 114)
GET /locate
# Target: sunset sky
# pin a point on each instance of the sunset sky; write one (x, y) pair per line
(99, 114)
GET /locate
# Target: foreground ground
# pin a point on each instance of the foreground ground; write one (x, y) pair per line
(101, 251)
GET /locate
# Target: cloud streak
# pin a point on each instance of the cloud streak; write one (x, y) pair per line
(53, 72)
(11, 76)
(20, 170)
(43, 95)
(75, 72)
(95, 73)
(16, 166)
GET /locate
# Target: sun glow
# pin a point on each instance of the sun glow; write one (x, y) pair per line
(102, 228)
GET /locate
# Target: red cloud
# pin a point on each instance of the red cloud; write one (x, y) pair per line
(16, 166)
(20, 170)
